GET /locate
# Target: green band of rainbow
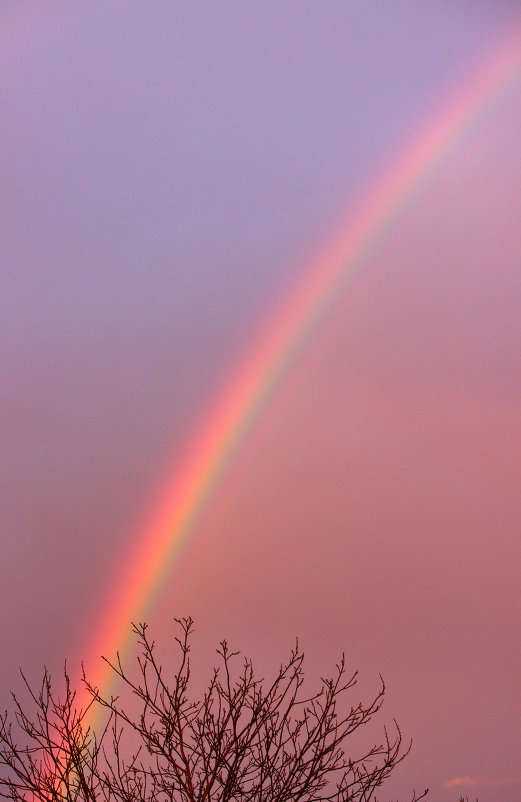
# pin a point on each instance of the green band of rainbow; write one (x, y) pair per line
(189, 489)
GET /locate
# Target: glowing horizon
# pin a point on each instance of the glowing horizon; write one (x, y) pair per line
(189, 489)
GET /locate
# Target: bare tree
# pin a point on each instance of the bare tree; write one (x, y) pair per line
(244, 741)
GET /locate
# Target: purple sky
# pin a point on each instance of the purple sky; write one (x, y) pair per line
(167, 171)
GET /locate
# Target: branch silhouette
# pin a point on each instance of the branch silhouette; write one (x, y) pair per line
(243, 740)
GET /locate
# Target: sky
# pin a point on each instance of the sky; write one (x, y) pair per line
(170, 171)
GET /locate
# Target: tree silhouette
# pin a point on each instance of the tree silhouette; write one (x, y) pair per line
(244, 740)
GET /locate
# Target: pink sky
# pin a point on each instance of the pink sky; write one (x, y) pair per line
(166, 177)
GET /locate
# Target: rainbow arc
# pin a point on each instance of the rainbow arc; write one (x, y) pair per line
(188, 491)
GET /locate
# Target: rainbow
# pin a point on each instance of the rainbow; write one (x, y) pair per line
(188, 490)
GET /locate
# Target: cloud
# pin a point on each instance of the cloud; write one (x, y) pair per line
(472, 781)
(456, 781)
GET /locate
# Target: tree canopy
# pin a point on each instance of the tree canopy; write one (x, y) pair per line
(243, 739)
